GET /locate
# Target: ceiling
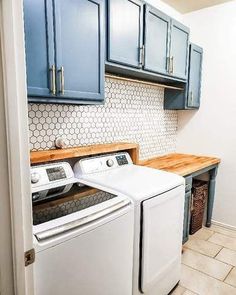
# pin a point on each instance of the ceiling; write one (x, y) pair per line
(185, 6)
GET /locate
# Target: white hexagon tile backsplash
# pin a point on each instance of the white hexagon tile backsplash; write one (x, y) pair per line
(132, 112)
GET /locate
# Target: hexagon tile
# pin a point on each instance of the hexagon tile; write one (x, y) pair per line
(132, 112)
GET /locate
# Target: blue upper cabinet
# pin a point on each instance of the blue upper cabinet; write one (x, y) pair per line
(39, 47)
(157, 40)
(189, 98)
(74, 32)
(79, 29)
(178, 64)
(125, 32)
(195, 73)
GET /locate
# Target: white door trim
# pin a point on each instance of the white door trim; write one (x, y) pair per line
(15, 99)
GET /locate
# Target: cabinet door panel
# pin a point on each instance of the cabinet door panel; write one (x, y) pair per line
(79, 29)
(179, 49)
(157, 27)
(38, 18)
(125, 28)
(195, 70)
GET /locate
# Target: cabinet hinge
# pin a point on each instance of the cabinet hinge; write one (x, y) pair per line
(29, 257)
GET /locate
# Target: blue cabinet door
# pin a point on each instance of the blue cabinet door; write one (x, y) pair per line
(38, 18)
(179, 50)
(195, 74)
(79, 37)
(125, 32)
(157, 35)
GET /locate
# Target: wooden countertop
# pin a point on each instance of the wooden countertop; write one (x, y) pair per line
(182, 164)
(83, 151)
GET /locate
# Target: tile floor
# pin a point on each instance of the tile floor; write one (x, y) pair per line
(209, 263)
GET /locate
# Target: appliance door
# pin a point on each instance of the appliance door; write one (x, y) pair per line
(94, 259)
(162, 230)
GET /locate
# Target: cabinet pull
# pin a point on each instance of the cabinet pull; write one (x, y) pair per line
(141, 56)
(62, 80)
(191, 98)
(168, 65)
(172, 64)
(52, 70)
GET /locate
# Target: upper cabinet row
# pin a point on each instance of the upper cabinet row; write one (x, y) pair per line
(144, 38)
(70, 43)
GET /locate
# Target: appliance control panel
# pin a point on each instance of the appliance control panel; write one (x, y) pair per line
(50, 174)
(102, 163)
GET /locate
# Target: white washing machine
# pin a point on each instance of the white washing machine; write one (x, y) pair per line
(83, 236)
(159, 213)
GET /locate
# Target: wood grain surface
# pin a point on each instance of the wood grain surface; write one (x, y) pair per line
(83, 151)
(182, 164)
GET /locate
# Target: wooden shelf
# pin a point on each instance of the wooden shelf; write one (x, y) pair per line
(82, 151)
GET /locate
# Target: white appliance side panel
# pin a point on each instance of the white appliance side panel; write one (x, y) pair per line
(162, 231)
(98, 262)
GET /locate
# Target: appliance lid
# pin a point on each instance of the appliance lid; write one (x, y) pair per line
(59, 202)
(135, 181)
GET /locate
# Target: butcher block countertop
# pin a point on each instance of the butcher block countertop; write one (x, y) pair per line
(182, 164)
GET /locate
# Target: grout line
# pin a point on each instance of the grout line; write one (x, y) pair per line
(205, 274)
(228, 274)
(218, 252)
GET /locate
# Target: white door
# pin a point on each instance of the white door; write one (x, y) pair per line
(162, 230)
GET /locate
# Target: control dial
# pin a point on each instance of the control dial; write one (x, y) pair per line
(110, 163)
(35, 177)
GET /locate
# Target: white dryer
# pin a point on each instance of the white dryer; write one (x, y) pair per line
(159, 213)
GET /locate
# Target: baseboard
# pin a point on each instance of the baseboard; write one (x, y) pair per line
(224, 225)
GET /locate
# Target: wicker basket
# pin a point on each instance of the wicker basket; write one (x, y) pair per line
(199, 198)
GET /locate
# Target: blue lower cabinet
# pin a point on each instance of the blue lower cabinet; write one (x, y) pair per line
(187, 208)
(74, 43)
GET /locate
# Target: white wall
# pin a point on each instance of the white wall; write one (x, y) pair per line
(212, 129)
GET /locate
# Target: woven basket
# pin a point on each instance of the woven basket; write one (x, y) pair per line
(199, 198)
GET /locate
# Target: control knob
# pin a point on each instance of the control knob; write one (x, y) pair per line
(35, 177)
(110, 163)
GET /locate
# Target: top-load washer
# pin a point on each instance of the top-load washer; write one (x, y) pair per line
(83, 236)
(159, 213)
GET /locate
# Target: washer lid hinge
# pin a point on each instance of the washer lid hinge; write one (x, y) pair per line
(29, 257)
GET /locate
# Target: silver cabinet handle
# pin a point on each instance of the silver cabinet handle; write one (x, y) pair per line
(191, 98)
(141, 56)
(52, 70)
(62, 80)
(172, 64)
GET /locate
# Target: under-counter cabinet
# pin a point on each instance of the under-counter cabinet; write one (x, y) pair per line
(189, 98)
(187, 207)
(65, 45)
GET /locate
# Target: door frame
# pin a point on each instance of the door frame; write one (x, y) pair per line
(16, 110)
